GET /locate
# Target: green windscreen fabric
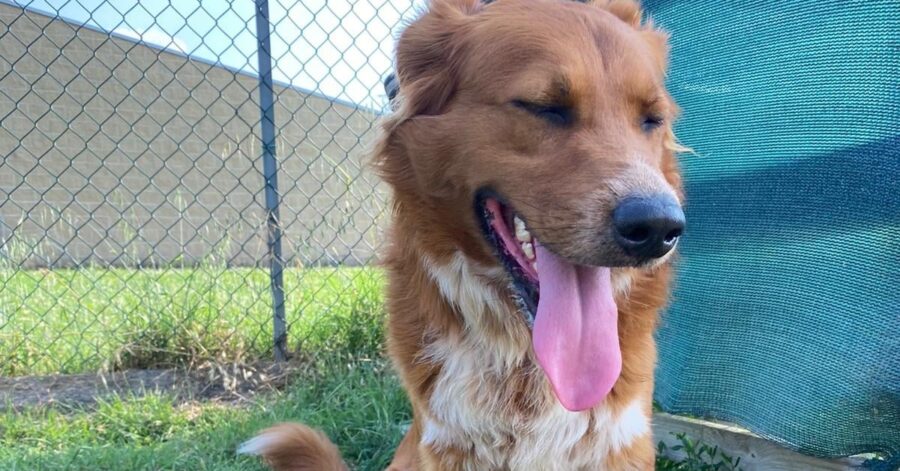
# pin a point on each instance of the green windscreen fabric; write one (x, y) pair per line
(786, 313)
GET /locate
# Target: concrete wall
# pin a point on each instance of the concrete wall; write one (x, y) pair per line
(118, 153)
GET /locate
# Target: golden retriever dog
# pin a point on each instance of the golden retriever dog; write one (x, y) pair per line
(536, 203)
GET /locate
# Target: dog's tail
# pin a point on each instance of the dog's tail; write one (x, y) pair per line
(295, 447)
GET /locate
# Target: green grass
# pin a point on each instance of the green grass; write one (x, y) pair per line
(90, 319)
(75, 321)
(359, 403)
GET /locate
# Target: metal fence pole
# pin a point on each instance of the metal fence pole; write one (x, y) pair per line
(270, 171)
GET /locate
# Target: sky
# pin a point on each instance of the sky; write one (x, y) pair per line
(339, 48)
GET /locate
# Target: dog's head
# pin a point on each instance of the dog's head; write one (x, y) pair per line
(536, 134)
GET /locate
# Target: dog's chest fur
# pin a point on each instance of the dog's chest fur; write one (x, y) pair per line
(492, 408)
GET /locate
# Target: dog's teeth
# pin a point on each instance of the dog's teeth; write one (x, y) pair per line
(528, 248)
(522, 233)
(534, 265)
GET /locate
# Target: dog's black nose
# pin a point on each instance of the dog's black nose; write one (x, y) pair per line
(648, 227)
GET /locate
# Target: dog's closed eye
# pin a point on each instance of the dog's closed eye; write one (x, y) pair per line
(651, 122)
(558, 115)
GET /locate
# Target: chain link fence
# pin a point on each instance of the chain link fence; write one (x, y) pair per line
(187, 179)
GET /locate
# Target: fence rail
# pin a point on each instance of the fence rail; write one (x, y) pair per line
(180, 148)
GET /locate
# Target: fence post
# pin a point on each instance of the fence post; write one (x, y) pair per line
(270, 172)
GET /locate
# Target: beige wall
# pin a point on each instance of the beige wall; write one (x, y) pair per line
(118, 153)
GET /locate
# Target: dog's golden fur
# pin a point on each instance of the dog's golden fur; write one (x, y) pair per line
(461, 349)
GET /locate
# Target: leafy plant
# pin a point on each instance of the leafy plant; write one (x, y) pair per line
(698, 456)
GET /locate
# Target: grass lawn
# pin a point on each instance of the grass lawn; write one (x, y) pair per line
(358, 402)
(82, 321)
(92, 319)
(76, 321)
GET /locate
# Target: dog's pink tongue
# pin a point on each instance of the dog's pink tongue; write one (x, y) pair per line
(575, 334)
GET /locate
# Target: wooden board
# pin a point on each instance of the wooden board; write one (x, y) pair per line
(756, 453)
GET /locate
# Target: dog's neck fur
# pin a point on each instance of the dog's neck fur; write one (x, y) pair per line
(464, 354)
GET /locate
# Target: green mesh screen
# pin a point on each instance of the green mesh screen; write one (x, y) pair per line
(786, 317)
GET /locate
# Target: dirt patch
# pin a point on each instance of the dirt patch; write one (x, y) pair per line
(210, 381)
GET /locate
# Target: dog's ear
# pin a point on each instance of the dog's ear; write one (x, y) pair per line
(630, 12)
(427, 55)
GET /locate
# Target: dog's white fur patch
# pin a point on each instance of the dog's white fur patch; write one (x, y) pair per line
(464, 284)
(631, 423)
(434, 434)
(622, 279)
(258, 444)
(468, 410)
